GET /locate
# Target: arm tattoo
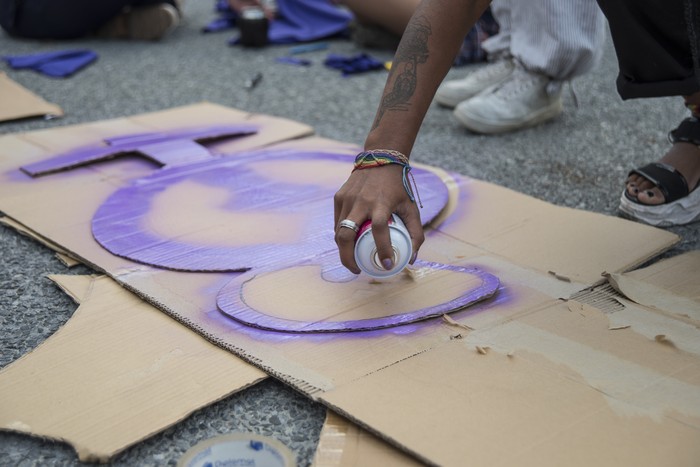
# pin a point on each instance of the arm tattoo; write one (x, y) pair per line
(404, 71)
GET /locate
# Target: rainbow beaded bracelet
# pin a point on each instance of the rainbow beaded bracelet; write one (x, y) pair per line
(379, 157)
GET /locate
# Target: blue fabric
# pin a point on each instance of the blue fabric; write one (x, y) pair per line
(307, 20)
(354, 64)
(294, 61)
(59, 64)
(226, 20)
(297, 21)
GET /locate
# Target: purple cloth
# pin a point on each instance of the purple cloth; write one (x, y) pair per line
(297, 21)
(354, 64)
(226, 20)
(60, 64)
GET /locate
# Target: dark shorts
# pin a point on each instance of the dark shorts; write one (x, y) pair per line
(61, 19)
(657, 44)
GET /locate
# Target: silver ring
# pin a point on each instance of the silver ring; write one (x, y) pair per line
(347, 223)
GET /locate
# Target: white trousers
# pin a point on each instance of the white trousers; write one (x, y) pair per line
(558, 38)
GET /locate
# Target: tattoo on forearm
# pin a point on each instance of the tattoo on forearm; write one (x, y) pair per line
(404, 71)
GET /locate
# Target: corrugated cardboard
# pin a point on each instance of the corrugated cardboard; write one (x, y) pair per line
(19, 102)
(525, 377)
(61, 254)
(344, 444)
(117, 372)
(640, 372)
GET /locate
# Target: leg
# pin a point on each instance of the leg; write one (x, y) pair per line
(550, 41)
(452, 93)
(500, 43)
(561, 39)
(664, 34)
(392, 15)
(684, 157)
(51, 19)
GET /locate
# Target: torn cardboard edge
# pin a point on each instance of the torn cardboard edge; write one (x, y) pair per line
(344, 444)
(64, 256)
(146, 373)
(636, 381)
(681, 300)
(19, 102)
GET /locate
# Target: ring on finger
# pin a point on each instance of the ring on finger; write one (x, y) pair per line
(348, 224)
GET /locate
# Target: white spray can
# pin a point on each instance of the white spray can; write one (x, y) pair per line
(366, 255)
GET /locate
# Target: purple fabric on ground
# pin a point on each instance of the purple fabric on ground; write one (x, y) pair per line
(59, 64)
(354, 64)
(297, 21)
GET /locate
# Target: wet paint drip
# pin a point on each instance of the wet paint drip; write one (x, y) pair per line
(367, 257)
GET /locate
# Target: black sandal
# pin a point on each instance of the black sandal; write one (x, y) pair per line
(682, 205)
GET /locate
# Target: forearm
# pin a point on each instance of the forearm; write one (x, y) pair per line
(426, 53)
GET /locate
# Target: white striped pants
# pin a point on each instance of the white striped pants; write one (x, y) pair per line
(558, 38)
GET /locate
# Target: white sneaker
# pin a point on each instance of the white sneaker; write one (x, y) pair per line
(522, 101)
(450, 93)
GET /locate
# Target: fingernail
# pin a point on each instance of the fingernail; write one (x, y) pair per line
(413, 257)
(387, 263)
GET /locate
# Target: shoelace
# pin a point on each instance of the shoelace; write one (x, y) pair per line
(492, 70)
(520, 81)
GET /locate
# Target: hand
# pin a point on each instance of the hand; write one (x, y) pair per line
(374, 194)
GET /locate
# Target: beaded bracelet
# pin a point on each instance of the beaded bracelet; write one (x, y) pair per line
(379, 157)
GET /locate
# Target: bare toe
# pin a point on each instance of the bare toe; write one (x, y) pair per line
(651, 196)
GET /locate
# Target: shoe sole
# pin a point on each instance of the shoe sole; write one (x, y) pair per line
(476, 125)
(680, 212)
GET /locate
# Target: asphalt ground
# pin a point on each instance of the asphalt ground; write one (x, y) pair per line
(580, 160)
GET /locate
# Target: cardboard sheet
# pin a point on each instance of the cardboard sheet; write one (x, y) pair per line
(344, 444)
(117, 372)
(524, 376)
(19, 102)
(61, 254)
(676, 292)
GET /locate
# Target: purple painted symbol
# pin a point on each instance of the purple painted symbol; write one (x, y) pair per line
(272, 209)
(234, 300)
(269, 209)
(166, 148)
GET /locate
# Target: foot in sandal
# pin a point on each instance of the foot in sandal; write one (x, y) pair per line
(666, 193)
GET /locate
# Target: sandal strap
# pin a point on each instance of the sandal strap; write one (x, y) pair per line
(667, 179)
(687, 132)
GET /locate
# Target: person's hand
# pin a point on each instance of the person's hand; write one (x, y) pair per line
(239, 5)
(374, 194)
